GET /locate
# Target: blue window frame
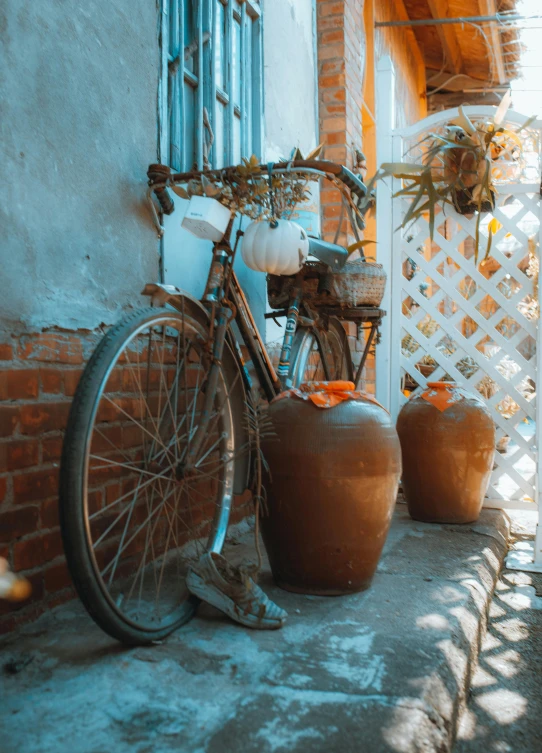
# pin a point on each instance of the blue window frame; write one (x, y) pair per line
(211, 52)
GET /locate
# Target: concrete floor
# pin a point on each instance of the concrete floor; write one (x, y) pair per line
(385, 670)
(504, 713)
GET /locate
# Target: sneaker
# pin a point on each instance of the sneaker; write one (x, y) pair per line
(225, 587)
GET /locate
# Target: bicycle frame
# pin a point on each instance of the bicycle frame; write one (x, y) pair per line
(225, 299)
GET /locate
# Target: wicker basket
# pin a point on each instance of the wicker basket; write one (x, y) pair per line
(359, 283)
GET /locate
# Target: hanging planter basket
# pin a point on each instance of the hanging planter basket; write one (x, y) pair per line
(465, 203)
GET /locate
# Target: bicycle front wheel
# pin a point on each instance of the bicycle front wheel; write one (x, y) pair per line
(133, 516)
(320, 355)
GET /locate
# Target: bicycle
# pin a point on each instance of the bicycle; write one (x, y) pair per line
(157, 442)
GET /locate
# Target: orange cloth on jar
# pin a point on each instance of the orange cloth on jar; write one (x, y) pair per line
(327, 394)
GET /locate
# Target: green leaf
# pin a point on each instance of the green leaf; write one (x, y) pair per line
(503, 108)
(180, 191)
(527, 123)
(489, 241)
(401, 167)
(463, 121)
(359, 244)
(315, 152)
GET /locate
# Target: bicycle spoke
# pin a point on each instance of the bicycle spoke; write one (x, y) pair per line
(148, 514)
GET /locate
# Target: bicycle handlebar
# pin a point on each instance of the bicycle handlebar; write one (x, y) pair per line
(162, 174)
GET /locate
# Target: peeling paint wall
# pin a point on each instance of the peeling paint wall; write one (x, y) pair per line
(79, 127)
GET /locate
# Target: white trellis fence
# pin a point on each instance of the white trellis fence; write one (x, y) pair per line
(451, 318)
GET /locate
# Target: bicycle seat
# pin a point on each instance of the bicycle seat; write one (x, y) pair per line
(329, 253)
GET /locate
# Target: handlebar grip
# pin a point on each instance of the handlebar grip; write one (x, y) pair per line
(159, 174)
(356, 185)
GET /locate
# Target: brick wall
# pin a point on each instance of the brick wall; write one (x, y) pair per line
(341, 40)
(39, 374)
(340, 86)
(38, 377)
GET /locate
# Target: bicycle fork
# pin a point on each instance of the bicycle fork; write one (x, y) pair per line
(289, 332)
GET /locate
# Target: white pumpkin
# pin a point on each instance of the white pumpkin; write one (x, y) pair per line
(280, 250)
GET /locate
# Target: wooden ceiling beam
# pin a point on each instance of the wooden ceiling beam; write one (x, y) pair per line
(460, 84)
(489, 7)
(447, 35)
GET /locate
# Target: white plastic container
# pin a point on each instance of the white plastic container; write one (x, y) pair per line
(206, 218)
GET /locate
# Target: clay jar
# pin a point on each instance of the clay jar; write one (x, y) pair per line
(330, 498)
(448, 443)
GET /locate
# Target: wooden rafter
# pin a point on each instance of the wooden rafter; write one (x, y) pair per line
(489, 7)
(447, 35)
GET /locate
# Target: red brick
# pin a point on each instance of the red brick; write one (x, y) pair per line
(327, 8)
(18, 522)
(331, 36)
(332, 125)
(51, 347)
(42, 417)
(57, 577)
(332, 210)
(330, 196)
(335, 138)
(51, 449)
(334, 81)
(49, 514)
(33, 552)
(52, 382)
(336, 154)
(19, 454)
(6, 352)
(336, 109)
(35, 485)
(71, 380)
(28, 553)
(9, 415)
(333, 95)
(52, 545)
(3, 487)
(331, 52)
(18, 384)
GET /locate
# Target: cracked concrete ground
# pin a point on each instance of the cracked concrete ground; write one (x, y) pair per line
(504, 713)
(384, 670)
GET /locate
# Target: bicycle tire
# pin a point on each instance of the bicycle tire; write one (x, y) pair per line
(312, 348)
(76, 468)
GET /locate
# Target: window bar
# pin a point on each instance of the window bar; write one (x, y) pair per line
(244, 78)
(207, 72)
(179, 88)
(257, 86)
(199, 121)
(214, 62)
(163, 83)
(229, 83)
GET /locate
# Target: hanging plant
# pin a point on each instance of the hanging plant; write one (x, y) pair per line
(458, 168)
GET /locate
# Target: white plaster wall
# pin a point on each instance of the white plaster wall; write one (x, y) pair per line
(290, 119)
(79, 128)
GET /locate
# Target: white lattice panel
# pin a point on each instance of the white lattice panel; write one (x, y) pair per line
(475, 323)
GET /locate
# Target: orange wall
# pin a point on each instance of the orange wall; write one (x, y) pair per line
(401, 45)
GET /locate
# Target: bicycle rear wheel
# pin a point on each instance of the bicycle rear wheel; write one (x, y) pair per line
(132, 517)
(316, 354)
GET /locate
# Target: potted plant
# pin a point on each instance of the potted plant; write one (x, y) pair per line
(458, 168)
